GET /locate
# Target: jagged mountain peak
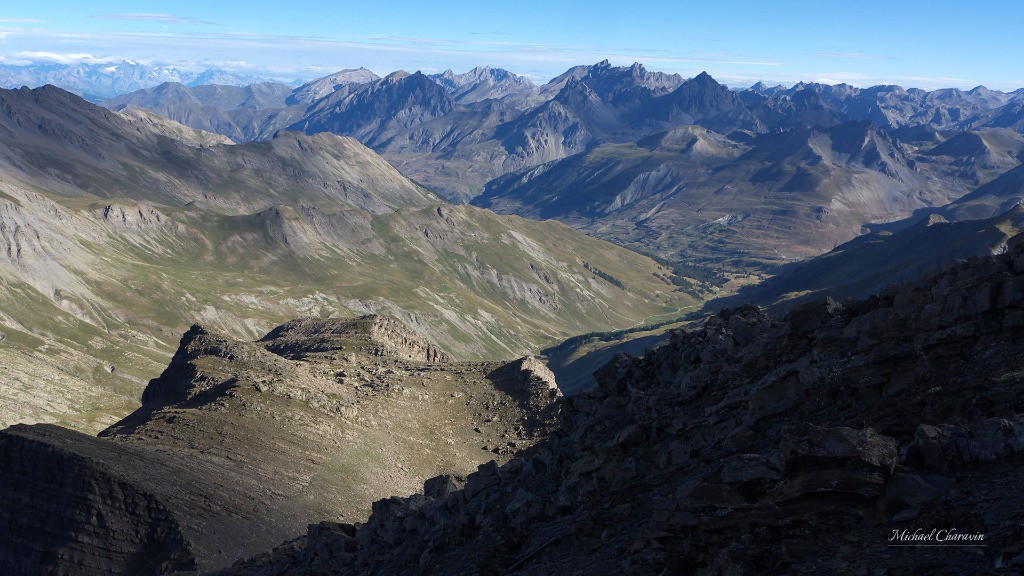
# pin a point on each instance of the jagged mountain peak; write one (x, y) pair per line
(614, 87)
(556, 83)
(704, 77)
(633, 75)
(698, 98)
(375, 111)
(706, 82)
(484, 82)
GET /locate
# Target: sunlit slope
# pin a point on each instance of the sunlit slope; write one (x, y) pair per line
(100, 280)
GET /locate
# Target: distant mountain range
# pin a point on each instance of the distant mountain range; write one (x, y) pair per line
(685, 169)
(99, 81)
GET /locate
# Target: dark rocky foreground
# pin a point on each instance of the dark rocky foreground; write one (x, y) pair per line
(750, 446)
(238, 445)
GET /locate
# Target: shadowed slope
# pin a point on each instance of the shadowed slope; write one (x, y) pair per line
(236, 447)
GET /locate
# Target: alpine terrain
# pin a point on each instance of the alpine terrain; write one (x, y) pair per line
(621, 321)
(119, 230)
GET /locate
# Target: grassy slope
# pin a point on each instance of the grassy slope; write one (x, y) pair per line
(467, 278)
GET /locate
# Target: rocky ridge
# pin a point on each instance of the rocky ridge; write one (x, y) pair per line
(482, 83)
(752, 444)
(237, 445)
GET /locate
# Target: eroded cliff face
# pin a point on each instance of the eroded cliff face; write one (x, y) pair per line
(750, 445)
(62, 508)
(372, 334)
(239, 445)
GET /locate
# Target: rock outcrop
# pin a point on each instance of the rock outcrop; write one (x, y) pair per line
(238, 445)
(807, 445)
(374, 335)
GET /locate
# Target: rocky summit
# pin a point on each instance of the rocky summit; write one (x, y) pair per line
(238, 445)
(808, 444)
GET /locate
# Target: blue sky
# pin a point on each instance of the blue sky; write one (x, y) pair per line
(862, 42)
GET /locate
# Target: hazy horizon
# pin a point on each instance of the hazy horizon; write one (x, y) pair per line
(738, 43)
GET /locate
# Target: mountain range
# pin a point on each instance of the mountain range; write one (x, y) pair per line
(687, 170)
(96, 81)
(268, 329)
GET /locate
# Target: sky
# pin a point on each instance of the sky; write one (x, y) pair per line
(862, 42)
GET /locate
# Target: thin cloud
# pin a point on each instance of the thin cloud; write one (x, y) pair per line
(11, 30)
(66, 58)
(853, 56)
(384, 53)
(225, 64)
(161, 18)
(21, 21)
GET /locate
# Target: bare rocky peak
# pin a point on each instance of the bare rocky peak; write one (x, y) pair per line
(484, 82)
(606, 81)
(377, 111)
(316, 89)
(556, 84)
(655, 80)
(698, 97)
(452, 81)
